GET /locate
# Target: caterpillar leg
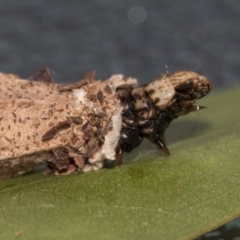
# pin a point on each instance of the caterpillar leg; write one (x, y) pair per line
(119, 157)
(162, 145)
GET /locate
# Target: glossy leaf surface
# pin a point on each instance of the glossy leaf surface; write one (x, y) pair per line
(151, 196)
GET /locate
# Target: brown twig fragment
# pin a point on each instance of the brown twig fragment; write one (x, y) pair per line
(53, 131)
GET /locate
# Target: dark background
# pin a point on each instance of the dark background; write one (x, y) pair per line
(133, 37)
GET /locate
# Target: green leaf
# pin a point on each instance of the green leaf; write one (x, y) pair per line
(151, 196)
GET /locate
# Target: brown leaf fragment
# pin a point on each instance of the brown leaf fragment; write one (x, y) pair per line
(92, 98)
(100, 97)
(76, 142)
(108, 127)
(87, 131)
(99, 135)
(92, 147)
(43, 75)
(108, 89)
(76, 119)
(90, 76)
(53, 131)
(70, 87)
(59, 159)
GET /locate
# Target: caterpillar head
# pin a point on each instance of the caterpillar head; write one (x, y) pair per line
(178, 91)
(150, 108)
(190, 84)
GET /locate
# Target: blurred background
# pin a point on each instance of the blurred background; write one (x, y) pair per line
(140, 38)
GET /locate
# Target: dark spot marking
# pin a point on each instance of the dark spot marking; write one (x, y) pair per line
(87, 132)
(8, 139)
(76, 120)
(92, 98)
(108, 89)
(52, 105)
(136, 96)
(151, 91)
(14, 114)
(100, 97)
(50, 112)
(59, 110)
(157, 100)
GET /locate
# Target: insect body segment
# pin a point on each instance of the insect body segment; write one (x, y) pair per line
(160, 91)
(150, 108)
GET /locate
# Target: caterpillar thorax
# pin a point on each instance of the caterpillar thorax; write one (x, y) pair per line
(149, 109)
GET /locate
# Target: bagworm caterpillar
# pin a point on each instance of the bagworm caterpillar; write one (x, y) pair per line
(75, 127)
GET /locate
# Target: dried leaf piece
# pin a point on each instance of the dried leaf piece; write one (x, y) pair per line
(43, 75)
(54, 130)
